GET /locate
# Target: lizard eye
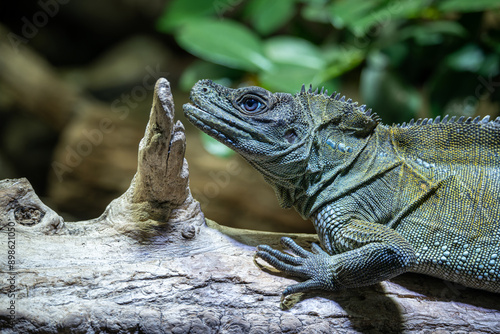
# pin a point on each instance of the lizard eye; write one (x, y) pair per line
(252, 101)
(251, 105)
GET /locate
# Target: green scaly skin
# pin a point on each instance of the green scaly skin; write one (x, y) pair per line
(419, 197)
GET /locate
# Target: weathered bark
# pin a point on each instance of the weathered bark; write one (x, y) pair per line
(152, 264)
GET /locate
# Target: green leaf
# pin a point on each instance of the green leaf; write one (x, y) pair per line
(224, 42)
(296, 62)
(405, 9)
(346, 13)
(294, 51)
(431, 33)
(202, 70)
(288, 78)
(267, 16)
(180, 12)
(469, 58)
(315, 11)
(467, 5)
(389, 11)
(359, 16)
(214, 147)
(342, 58)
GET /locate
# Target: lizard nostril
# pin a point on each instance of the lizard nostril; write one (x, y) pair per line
(204, 90)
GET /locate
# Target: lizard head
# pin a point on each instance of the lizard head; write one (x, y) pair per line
(280, 134)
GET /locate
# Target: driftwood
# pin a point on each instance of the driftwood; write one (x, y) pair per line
(152, 264)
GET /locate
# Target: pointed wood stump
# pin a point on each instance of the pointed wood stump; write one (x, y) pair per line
(152, 264)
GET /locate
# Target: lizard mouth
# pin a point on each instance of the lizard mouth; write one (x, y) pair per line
(203, 119)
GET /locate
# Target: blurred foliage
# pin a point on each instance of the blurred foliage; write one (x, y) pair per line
(411, 55)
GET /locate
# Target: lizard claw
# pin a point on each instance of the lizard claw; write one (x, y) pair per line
(312, 266)
(298, 250)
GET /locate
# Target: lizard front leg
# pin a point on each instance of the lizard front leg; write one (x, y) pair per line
(371, 253)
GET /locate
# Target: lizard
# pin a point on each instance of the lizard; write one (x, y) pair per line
(422, 196)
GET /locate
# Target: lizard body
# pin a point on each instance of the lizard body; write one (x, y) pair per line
(419, 197)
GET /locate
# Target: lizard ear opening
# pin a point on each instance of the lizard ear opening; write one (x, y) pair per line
(291, 136)
(366, 127)
(359, 124)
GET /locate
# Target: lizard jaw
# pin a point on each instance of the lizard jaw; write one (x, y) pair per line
(202, 120)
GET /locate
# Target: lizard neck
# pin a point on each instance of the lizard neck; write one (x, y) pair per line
(370, 158)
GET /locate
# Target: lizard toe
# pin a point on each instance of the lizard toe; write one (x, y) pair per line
(302, 287)
(294, 247)
(281, 265)
(287, 258)
(316, 249)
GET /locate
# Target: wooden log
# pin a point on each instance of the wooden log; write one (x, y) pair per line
(151, 263)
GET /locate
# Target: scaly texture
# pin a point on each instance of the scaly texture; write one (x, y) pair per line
(420, 197)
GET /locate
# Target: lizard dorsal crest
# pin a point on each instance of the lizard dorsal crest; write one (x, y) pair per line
(344, 114)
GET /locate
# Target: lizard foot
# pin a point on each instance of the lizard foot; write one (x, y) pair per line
(315, 267)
